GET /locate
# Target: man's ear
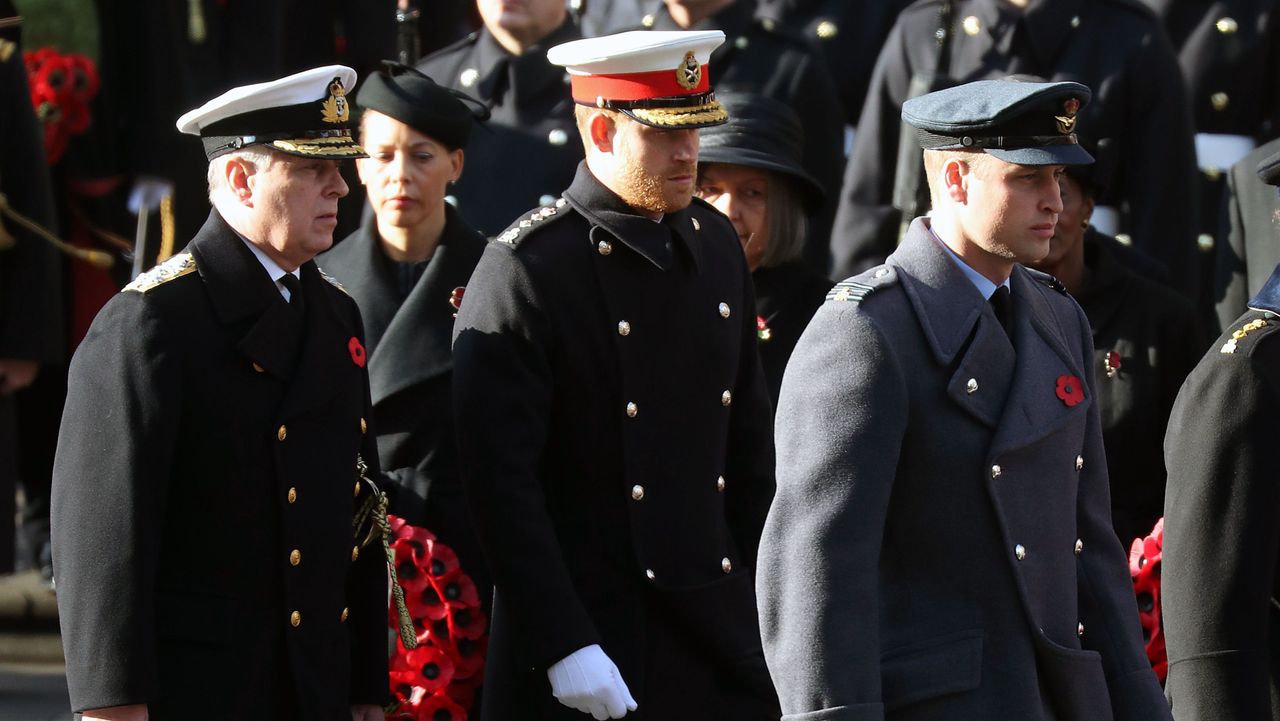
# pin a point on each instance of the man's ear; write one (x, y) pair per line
(955, 177)
(601, 127)
(239, 173)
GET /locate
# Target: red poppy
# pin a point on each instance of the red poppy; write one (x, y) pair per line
(425, 605)
(441, 559)
(467, 656)
(466, 623)
(425, 667)
(408, 553)
(763, 331)
(439, 707)
(1070, 390)
(456, 589)
(357, 351)
(1112, 364)
(455, 297)
(1144, 567)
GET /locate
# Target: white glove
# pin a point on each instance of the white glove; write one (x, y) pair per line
(147, 192)
(586, 680)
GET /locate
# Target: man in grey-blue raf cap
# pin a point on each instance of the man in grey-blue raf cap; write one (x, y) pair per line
(940, 544)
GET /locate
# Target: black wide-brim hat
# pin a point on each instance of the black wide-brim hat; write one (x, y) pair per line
(401, 92)
(1019, 122)
(761, 133)
(305, 114)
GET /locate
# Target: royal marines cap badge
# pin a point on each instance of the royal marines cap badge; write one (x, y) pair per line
(1067, 121)
(335, 108)
(689, 74)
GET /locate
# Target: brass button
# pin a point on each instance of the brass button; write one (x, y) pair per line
(720, 484)
(345, 612)
(826, 30)
(649, 574)
(971, 25)
(741, 42)
(469, 77)
(295, 619)
(1124, 239)
(293, 495)
(1205, 243)
(1079, 546)
(726, 565)
(557, 137)
(1227, 25)
(1020, 552)
(356, 493)
(647, 21)
(282, 433)
(295, 557)
(259, 368)
(1075, 21)
(1219, 101)
(1079, 462)
(1080, 629)
(971, 386)
(724, 310)
(726, 398)
(355, 553)
(624, 328)
(637, 492)
(632, 410)
(364, 426)
(996, 471)
(604, 247)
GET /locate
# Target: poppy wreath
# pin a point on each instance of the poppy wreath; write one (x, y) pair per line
(62, 88)
(438, 680)
(1144, 567)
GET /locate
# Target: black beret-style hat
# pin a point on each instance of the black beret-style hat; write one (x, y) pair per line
(403, 93)
(761, 133)
(1025, 123)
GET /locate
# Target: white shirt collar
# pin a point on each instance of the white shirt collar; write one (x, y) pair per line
(980, 281)
(273, 269)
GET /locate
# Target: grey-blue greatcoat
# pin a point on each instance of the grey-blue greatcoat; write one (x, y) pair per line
(940, 544)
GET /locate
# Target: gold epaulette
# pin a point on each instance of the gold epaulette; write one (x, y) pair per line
(333, 281)
(175, 267)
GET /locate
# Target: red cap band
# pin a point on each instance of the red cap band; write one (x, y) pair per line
(634, 86)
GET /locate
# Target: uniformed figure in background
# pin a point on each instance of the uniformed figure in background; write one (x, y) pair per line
(1221, 539)
(32, 326)
(206, 478)
(749, 169)
(940, 546)
(527, 152)
(1229, 52)
(407, 267)
(612, 417)
(1139, 121)
(1146, 339)
(757, 57)
(1252, 226)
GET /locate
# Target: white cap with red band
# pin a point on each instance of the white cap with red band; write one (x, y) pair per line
(658, 78)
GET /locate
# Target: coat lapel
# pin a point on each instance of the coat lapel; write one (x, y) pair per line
(417, 344)
(240, 290)
(326, 355)
(1034, 409)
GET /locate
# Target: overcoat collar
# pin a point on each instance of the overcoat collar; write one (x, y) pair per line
(1268, 297)
(654, 241)
(734, 20)
(245, 299)
(1016, 374)
(1046, 25)
(527, 74)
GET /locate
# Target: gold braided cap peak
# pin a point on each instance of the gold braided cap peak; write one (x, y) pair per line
(175, 267)
(711, 112)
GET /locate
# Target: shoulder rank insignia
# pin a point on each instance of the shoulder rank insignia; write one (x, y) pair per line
(333, 281)
(855, 289)
(512, 236)
(1047, 280)
(175, 267)
(1230, 346)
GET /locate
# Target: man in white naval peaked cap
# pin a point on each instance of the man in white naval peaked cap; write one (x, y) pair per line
(208, 471)
(613, 423)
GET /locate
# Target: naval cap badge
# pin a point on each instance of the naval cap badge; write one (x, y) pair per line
(335, 108)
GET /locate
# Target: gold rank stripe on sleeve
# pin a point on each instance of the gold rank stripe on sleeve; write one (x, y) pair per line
(175, 267)
(333, 281)
(1240, 334)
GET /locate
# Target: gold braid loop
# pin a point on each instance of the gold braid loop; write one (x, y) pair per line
(374, 512)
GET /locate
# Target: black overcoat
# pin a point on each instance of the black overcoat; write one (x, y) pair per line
(614, 434)
(940, 546)
(787, 296)
(203, 496)
(1221, 540)
(1138, 117)
(411, 377)
(530, 145)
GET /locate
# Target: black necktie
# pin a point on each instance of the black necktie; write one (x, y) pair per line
(294, 286)
(1002, 306)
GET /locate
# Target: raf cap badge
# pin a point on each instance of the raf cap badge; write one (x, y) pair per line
(1067, 121)
(335, 109)
(689, 74)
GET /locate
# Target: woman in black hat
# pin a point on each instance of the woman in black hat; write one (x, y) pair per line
(407, 267)
(750, 170)
(1146, 339)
